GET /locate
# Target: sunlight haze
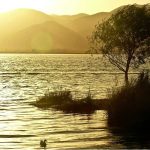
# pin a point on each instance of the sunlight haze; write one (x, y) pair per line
(67, 7)
(74, 74)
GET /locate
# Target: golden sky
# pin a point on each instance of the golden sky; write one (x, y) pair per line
(67, 6)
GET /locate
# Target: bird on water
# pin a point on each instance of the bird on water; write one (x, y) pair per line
(43, 143)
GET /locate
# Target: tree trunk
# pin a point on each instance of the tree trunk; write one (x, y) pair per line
(127, 70)
(126, 77)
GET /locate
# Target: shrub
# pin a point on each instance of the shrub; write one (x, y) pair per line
(129, 106)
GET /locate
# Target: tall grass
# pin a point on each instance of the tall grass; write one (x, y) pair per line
(63, 100)
(54, 98)
(129, 106)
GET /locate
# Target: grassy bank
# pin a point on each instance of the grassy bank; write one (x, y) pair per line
(63, 100)
(129, 106)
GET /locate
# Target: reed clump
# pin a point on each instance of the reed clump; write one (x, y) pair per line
(129, 106)
(53, 98)
(63, 100)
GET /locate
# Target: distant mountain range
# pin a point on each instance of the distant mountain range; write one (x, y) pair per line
(31, 31)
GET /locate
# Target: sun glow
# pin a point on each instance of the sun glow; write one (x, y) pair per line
(66, 6)
(8, 5)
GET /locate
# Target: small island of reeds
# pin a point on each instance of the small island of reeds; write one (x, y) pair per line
(63, 100)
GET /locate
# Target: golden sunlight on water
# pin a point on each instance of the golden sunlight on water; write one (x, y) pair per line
(25, 77)
(23, 126)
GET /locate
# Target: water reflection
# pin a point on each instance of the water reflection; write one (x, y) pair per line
(22, 125)
(131, 139)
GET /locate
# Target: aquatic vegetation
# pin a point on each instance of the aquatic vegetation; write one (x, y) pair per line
(63, 100)
(54, 98)
(129, 106)
(85, 105)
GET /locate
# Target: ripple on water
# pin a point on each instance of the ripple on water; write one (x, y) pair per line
(22, 125)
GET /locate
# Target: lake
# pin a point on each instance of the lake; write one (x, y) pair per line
(25, 77)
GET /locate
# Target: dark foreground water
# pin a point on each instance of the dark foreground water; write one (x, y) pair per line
(23, 78)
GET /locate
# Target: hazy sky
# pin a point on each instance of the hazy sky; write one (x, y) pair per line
(67, 6)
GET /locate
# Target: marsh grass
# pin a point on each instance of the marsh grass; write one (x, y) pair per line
(63, 100)
(54, 98)
(84, 105)
(129, 106)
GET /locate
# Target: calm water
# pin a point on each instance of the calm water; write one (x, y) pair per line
(23, 78)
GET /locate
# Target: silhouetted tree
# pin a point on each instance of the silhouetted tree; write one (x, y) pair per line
(124, 38)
